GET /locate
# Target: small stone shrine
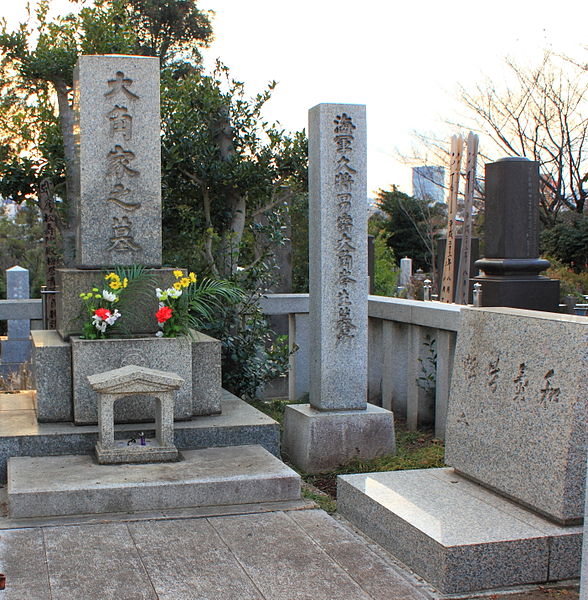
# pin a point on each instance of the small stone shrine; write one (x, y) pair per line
(338, 424)
(511, 266)
(122, 384)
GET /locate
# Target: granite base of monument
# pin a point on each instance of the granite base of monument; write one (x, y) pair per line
(457, 535)
(534, 293)
(73, 485)
(320, 440)
(58, 390)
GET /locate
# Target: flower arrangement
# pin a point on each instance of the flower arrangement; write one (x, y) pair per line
(100, 306)
(189, 302)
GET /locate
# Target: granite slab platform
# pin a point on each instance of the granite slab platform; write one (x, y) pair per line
(238, 424)
(76, 484)
(457, 535)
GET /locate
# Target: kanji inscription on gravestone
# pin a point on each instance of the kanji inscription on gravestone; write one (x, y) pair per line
(118, 153)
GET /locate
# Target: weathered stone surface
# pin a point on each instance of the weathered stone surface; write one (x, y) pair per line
(16, 348)
(133, 379)
(203, 567)
(518, 412)
(238, 424)
(52, 368)
(256, 541)
(88, 562)
(338, 257)
(457, 535)
(23, 561)
(584, 574)
(206, 374)
(63, 485)
(116, 100)
(70, 308)
(119, 384)
(90, 357)
(317, 440)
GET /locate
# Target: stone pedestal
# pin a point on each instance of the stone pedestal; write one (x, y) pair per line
(318, 441)
(61, 369)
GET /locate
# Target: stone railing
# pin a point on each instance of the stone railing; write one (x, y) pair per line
(410, 351)
(410, 354)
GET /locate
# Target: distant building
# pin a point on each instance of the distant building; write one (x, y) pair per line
(428, 183)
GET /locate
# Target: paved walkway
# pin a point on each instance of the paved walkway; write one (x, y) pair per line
(281, 555)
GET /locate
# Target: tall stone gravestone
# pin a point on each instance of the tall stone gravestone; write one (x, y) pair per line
(118, 139)
(511, 267)
(117, 131)
(118, 148)
(337, 424)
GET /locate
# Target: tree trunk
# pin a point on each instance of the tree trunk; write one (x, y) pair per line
(66, 123)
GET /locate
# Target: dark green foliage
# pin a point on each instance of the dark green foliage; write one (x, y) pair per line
(411, 226)
(567, 241)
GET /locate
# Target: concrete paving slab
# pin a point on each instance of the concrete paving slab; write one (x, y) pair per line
(187, 560)
(22, 560)
(70, 485)
(271, 556)
(374, 574)
(95, 562)
(283, 561)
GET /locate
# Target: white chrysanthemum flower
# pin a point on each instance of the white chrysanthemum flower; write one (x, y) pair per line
(173, 293)
(113, 317)
(159, 334)
(161, 294)
(108, 295)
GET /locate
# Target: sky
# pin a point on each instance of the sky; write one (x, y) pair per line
(403, 60)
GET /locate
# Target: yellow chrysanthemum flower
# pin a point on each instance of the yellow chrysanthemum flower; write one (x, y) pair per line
(125, 282)
(185, 281)
(115, 285)
(177, 285)
(192, 277)
(178, 273)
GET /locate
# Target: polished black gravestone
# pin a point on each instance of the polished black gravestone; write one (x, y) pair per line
(511, 267)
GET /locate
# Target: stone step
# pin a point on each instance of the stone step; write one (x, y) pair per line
(74, 485)
(457, 535)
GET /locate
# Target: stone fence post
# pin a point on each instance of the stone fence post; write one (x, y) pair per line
(16, 348)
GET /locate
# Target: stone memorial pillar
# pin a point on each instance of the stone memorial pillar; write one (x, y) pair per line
(117, 129)
(405, 271)
(16, 348)
(511, 267)
(338, 424)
